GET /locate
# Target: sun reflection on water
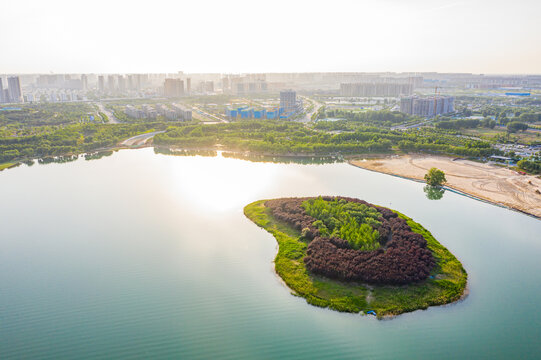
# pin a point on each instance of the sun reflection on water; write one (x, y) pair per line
(220, 184)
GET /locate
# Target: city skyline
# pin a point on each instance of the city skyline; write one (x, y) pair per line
(489, 37)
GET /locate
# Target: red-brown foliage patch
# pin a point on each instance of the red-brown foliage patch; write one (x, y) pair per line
(403, 259)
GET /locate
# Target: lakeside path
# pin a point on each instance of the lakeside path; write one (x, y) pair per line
(492, 183)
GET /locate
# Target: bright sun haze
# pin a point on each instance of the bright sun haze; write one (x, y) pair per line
(479, 36)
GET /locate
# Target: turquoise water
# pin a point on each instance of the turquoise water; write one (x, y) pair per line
(139, 255)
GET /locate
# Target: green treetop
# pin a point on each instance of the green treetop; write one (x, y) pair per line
(435, 177)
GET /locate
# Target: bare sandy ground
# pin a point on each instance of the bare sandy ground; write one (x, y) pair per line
(489, 182)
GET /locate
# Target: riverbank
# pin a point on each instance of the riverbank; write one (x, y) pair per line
(7, 166)
(446, 284)
(492, 183)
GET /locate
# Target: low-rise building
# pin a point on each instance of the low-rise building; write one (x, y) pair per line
(133, 112)
(183, 113)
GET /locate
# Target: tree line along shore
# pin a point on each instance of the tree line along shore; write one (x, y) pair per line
(72, 133)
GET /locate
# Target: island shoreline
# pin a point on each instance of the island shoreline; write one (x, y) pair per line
(300, 283)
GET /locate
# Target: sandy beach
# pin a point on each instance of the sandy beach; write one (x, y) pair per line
(488, 182)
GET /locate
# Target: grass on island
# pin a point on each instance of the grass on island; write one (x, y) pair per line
(445, 285)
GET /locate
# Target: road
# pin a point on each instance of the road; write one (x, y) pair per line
(209, 115)
(112, 118)
(140, 140)
(317, 106)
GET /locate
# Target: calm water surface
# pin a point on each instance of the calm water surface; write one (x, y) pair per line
(141, 255)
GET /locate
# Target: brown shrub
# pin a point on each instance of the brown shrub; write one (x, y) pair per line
(403, 258)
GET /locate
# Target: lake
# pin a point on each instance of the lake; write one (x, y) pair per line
(143, 255)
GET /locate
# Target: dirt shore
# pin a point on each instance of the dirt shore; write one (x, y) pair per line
(489, 182)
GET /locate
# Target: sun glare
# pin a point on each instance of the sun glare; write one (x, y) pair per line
(220, 184)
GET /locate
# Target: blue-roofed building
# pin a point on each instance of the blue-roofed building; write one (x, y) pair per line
(247, 113)
(231, 113)
(272, 114)
(259, 114)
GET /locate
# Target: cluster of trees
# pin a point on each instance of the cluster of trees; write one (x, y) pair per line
(530, 117)
(191, 136)
(291, 138)
(98, 155)
(532, 166)
(45, 114)
(470, 148)
(65, 133)
(465, 124)
(167, 151)
(71, 139)
(350, 221)
(320, 160)
(404, 260)
(515, 126)
(382, 117)
(338, 125)
(532, 101)
(524, 110)
(270, 137)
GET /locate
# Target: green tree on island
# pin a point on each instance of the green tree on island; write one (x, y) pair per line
(435, 177)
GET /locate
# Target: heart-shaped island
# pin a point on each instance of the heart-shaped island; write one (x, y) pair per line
(350, 255)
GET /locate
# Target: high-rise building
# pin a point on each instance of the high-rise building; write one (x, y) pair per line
(240, 85)
(225, 84)
(111, 83)
(188, 85)
(121, 83)
(379, 89)
(206, 86)
(1, 92)
(14, 86)
(132, 82)
(288, 100)
(144, 80)
(429, 106)
(173, 87)
(101, 83)
(137, 81)
(84, 82)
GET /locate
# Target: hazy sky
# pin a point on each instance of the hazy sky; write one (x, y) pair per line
(479, 36)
